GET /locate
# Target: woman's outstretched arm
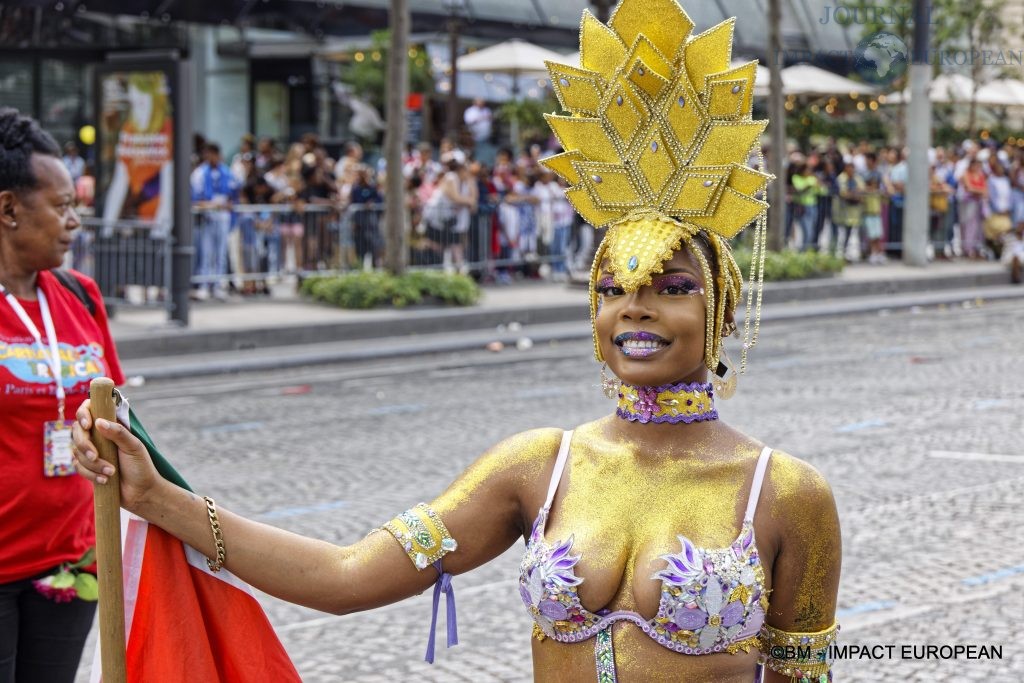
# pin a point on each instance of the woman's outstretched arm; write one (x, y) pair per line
(481, 510)
(805, 575)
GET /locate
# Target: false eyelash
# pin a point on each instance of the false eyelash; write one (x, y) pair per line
(604, 285)
(683, 282)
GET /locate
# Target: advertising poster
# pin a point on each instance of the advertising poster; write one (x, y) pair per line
(136, 147)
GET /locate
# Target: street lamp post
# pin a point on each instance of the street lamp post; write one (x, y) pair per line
(919, 128)
(777, 115)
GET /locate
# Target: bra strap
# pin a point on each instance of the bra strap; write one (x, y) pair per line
(755, 489)
(556, 474)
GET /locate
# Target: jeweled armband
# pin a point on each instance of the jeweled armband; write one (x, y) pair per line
(804, 657)
(422, 535)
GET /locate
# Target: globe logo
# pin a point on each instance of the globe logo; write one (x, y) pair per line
(881, 58)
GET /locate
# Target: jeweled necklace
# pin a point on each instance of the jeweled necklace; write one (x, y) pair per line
(671, 403)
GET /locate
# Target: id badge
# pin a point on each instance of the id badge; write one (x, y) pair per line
(57, 458)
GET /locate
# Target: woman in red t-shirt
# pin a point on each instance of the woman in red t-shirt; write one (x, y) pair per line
(46, 331)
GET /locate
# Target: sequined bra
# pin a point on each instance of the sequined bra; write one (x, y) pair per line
(712, 600)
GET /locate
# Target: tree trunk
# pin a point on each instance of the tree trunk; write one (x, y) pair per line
(601, 9)
(398, 92)
(972, 110)
(777, 127)
(452, 115)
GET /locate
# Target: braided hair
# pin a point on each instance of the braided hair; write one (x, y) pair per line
(20, 138)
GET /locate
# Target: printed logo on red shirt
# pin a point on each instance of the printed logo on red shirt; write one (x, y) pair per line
(29, 363)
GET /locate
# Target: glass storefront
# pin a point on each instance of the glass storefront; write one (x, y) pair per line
(57, 92)
(16, 86)
(65, 98)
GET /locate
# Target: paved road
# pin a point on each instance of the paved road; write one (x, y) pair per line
(915, 419)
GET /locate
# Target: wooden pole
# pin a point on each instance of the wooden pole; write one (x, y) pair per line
(108, 541)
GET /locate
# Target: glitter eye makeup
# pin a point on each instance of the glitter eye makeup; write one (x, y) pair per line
(604, 285)
(681, 284)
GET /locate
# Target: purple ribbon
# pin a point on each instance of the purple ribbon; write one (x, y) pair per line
(442, 585)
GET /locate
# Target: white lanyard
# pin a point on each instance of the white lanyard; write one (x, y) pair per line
(51, 335)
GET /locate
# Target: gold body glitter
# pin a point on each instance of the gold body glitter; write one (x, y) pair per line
(649, 519)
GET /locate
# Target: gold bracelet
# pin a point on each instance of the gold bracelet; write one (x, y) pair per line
(218, 538)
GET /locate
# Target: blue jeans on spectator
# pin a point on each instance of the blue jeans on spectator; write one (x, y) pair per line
(894, 243)
(214, 228)
(559, 243)
(808, 224)
(272, 248)
(787, 229)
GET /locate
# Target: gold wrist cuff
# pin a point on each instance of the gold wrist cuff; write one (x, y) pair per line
(804, 656)
(422, 535)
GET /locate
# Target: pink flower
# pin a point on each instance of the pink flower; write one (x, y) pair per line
(59, 594)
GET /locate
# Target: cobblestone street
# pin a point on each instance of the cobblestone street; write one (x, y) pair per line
(914, 418)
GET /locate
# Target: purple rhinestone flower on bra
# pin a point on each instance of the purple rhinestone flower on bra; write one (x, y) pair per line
(548, 574)
(685, 567)
(710, 597)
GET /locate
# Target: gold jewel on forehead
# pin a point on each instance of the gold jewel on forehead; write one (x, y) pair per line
(656, 143)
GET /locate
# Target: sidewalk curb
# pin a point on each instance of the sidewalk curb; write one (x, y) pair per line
(153, 368)
(177, 342)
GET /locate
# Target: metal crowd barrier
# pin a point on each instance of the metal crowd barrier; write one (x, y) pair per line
(130, 260)
(251, 247)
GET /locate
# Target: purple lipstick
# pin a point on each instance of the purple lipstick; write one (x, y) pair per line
(640, 344)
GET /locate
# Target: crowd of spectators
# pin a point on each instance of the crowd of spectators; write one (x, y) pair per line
(268, 212)
(271, 212)
(851, 201)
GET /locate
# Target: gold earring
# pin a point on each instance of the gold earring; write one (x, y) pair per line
(725, 387)
(609, 386)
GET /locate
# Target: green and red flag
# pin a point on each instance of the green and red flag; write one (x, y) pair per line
(184, 622)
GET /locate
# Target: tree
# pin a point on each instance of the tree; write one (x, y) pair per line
(895, 18)
(367, 73)
(528, 114)
(397, 93)
(969, 25)
(975, 26)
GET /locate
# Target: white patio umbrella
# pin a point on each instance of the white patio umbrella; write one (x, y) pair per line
(807, 79)
(945, 89)
(514, 57)
(1006, 92)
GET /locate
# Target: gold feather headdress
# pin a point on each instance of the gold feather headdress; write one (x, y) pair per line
(656, 148)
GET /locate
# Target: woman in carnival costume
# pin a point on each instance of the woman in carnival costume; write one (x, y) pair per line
(661, 544)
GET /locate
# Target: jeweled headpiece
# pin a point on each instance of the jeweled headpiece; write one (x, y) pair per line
(656, 149)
